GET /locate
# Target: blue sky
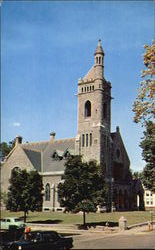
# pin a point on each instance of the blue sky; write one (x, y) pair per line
(48, 45)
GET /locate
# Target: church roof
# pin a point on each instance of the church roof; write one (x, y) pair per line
(50, 163)
(35, 158)
(90, 75)
(49, 156)
(35, 145)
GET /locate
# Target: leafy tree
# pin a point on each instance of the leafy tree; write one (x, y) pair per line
(5, 147)
(148, 147)
(144, 106)
(25, 191)
(83, 187)
(4, 197)
(137, 175)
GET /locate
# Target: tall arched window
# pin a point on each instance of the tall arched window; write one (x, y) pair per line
(17, 169)
(87, 109)
(47, 192)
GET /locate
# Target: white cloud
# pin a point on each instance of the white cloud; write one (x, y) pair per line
(16, 124)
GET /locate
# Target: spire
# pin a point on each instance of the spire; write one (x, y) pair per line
(99, 49)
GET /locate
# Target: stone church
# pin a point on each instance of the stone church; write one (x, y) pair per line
(94, 140)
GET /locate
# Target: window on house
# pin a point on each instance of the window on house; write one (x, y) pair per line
(16, 169)
(82, 89)
(87, 88)
(90, 139)
(47, 192)
(118, 153)
(58, 197)
(99, 60)
(87, 109)
(83, 140)
(86, 140)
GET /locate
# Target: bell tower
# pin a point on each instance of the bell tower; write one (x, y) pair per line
(94, 112)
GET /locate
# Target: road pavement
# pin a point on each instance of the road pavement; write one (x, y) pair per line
(134, 240)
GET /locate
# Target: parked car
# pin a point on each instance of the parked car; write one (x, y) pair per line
(40, 240)
(8, 222)
(102, 209)
(8, 236)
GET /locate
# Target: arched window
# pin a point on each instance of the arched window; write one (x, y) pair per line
(47, 192)
(87, 109)
(17, 169)
(86, 140)
(90, 139)
(83, 140)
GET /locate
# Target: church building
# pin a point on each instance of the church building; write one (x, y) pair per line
(94, 140)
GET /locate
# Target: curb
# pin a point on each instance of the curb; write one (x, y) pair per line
(140, 224)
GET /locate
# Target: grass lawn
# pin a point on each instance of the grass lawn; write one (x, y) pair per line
(96, 218)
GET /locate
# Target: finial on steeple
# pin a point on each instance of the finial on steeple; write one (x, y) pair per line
(99, 42)
(99, 48)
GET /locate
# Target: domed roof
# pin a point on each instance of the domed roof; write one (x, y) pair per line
(99, 49)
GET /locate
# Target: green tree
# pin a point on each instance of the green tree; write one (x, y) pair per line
(144, 105)
(148, 153)
(83, 187)
(5, 148)
(25, 191)
(137, 175)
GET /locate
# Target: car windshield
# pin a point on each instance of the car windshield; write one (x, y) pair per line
(2, 220)
(17, 219)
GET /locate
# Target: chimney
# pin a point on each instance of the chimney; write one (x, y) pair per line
(52, 136)
(117, 129)
(18, 140)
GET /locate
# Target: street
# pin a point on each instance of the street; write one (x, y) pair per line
(138, 240)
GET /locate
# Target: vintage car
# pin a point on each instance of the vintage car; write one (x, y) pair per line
(40, 240)
(8, 222)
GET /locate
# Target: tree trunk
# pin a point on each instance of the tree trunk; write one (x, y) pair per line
(84, 218)
(25, 212)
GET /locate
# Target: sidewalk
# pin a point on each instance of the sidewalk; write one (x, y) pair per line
(73, 230)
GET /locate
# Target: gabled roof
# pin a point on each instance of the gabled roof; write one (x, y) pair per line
(60, 146)
(40, 154)
(116, 137)
(34, 157)
(90, 75)
(35, 145)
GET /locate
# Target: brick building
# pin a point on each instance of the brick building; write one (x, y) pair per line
(94, 140)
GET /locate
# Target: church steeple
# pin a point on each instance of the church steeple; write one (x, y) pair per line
(99, 49)
(94, 112)
(99, 60)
